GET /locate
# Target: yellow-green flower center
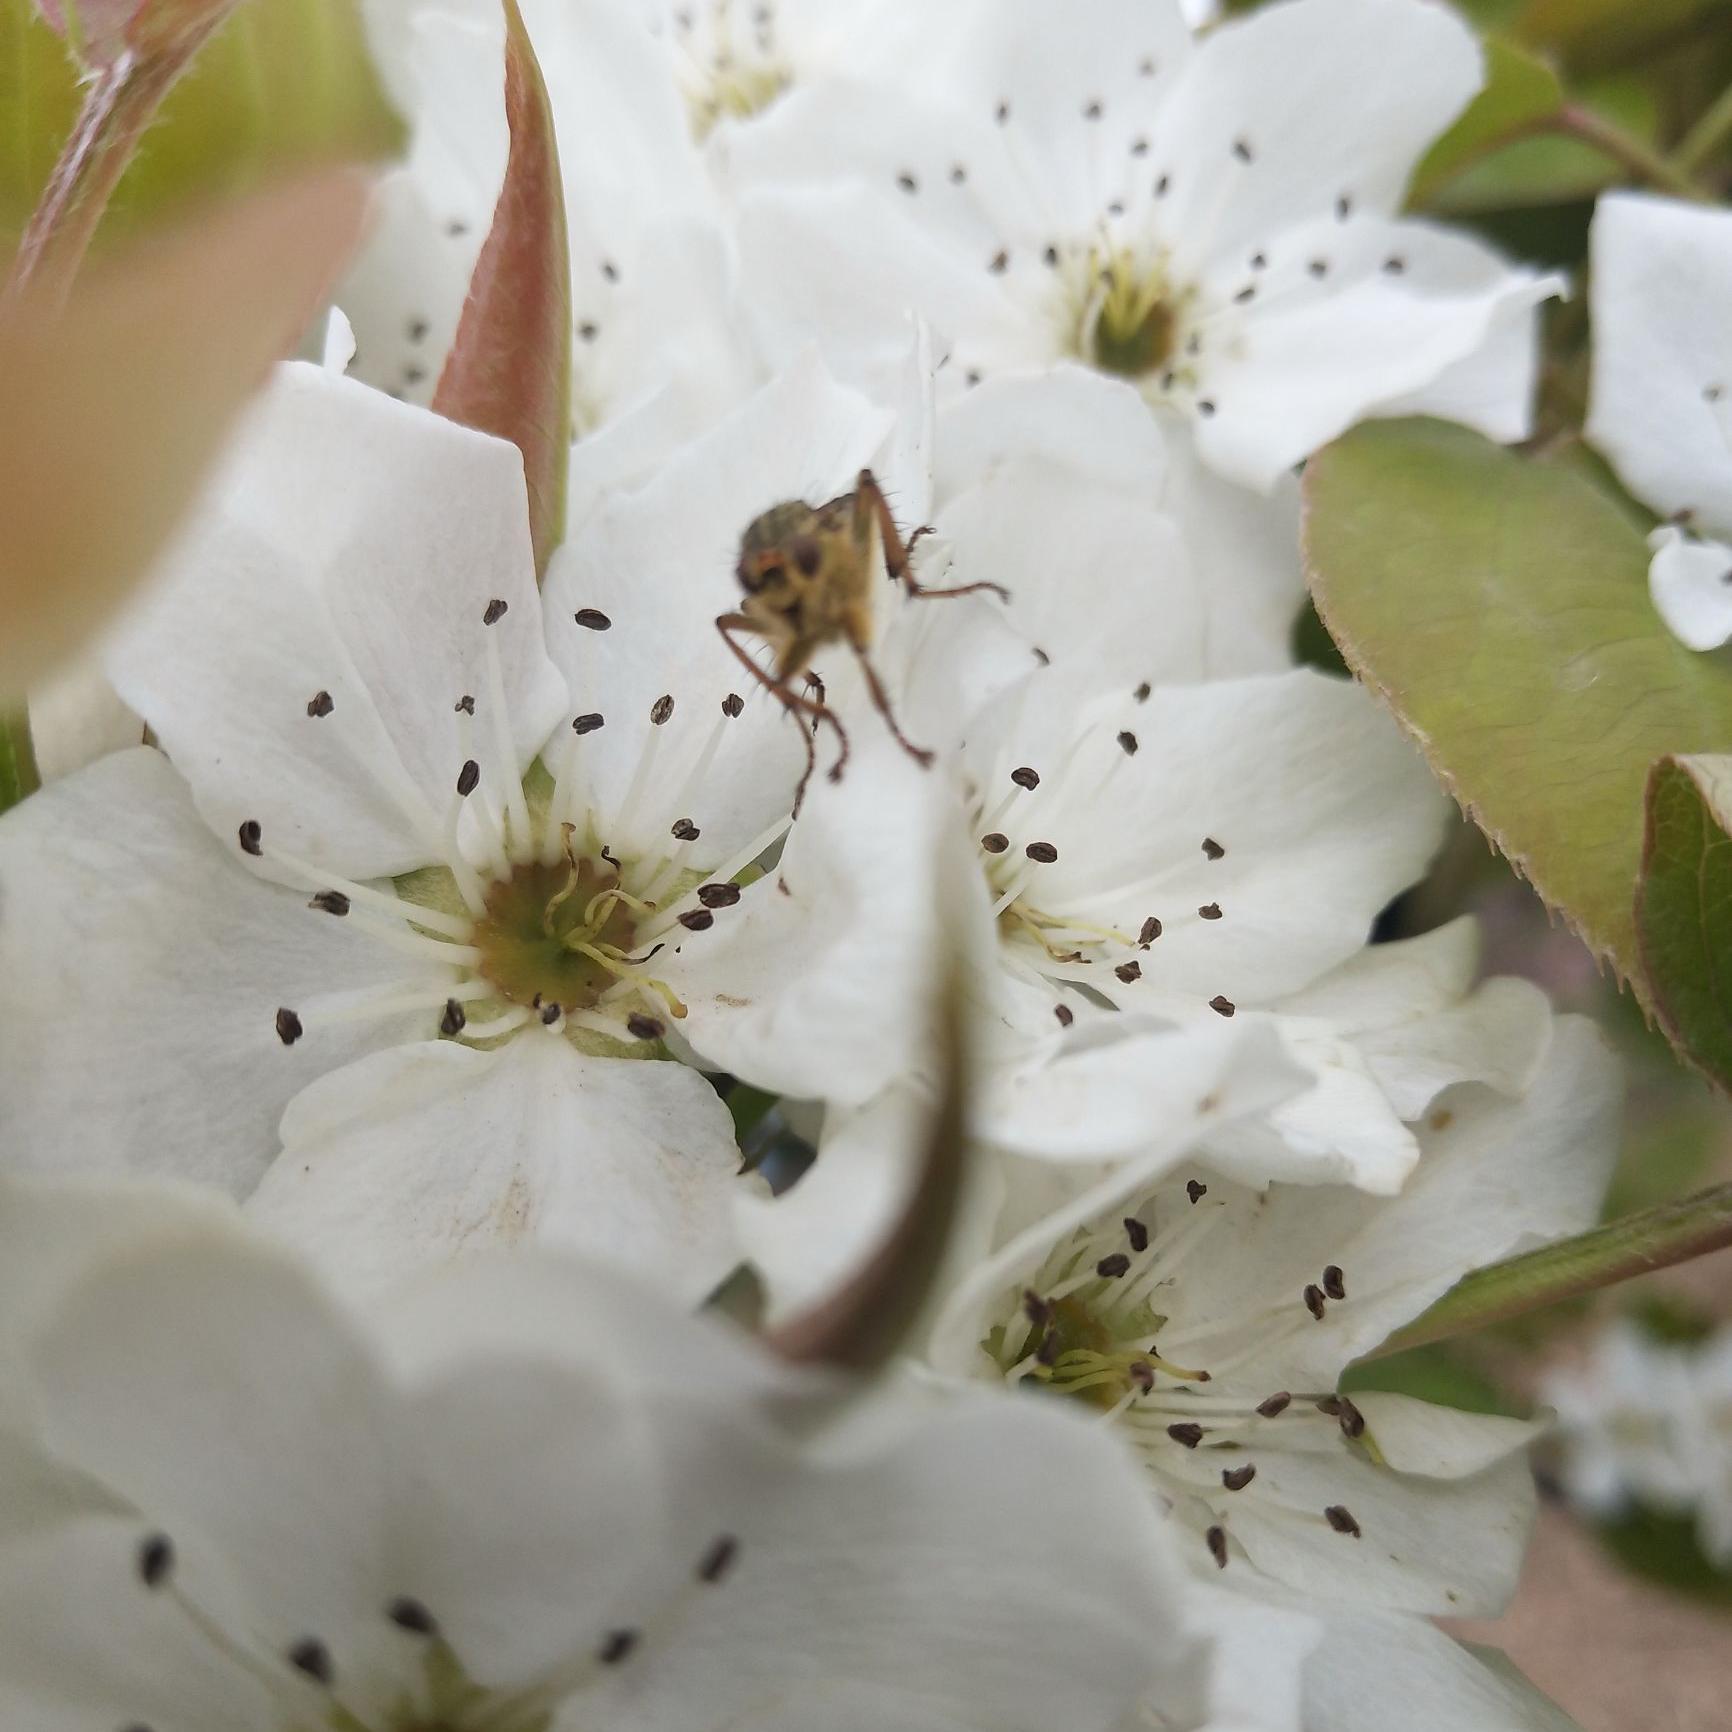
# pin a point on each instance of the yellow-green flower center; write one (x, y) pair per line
(555, 935)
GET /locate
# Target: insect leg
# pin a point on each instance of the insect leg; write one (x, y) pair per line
(881, 702)
(896, 550)
(793, 702)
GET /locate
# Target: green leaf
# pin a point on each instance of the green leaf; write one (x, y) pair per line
(1594, 35)
(1662, 1546)
(1684, 907)
(1586, 1263)
(1519, 91)
(1500, 607)
(509, 371)
(283, 85)
(18, 775)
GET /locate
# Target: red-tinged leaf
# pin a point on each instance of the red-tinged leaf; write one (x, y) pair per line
(509, 371)
(116, 404)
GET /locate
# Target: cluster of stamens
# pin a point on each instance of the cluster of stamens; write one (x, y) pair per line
(1092, 1325)
(729, 61)
(538, 921)
(433, 1691)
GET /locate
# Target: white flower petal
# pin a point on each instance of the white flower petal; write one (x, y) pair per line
(351, 548)
(1691, 583)
(76, 717)
(435, 1150)
(1329, 99)
(1440, 1442)
(820, 982)
(185, 1382)
(1400, 304)
(141, 971)
(659, 565)
(1372, 1672)
(1662, 389)
(1494, 388)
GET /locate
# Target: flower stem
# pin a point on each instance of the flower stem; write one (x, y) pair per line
(1603, 1257)
(1709, 133)
(1641, 160)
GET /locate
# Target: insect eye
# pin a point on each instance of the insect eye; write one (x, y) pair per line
(808, 555)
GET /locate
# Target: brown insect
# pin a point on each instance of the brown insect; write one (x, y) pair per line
(806, 571)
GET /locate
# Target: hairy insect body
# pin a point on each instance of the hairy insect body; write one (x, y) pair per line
(805, 573)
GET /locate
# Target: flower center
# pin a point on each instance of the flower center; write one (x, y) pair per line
(730, 67)
(556, 934)
(1133, 317)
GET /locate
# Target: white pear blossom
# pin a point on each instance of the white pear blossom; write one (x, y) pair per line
(1217, 221)
(1210, 1317)
(1662, 394)
(1646, 1422)
(519, 1496)
(435, 866)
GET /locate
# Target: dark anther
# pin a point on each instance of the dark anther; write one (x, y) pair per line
(718, 895)
(589, 723)
(1047, 1352)
(1148, 933)
(684, 830)
(1042, 853)
(1205, 407)
(1210, 911)
(455, 1018)
(1093, 111)
(995, 841)
(468, 777)
(1025, 777)
(1110, 1268)
(1329, 1405)
(592, 619)
(1143, 1376)
(417, 331)
(1237, 1478)
(1186, 1433)
(1212, 848)
(610, 270)
(1064, 1014)
(1129, 971)
(732, 704)
(1050, 256)
(958, 174)
(1343, 207)
(1139, 147)
(288, 1027)
(330, 902)
(1394, 266)
(1352, 1420)
(1000, 262)
(1258, 261)
(409, 1614)
(618, 1647)
(697, 920)
(642, 1027)
(719, 1559)
(1162, 185)
(1242, 150)
(1137, 1233)
(550, 1014)
(661, 709)
(1221, 1005)
(1217, 1538)
(1341, 1519)
(907, 182)
(1248, 293)
(1275, 1404)
(1128, 743)
(251, 838)
(1318, 267)
(465, 705)
(1314, 1302)
(495, 612)
(1002, 113)
(1196, 1190)
(1334, 1282)
(155, 1559)
(319, 704)
(311, 1656)
(1141, 694)
(589, 330)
